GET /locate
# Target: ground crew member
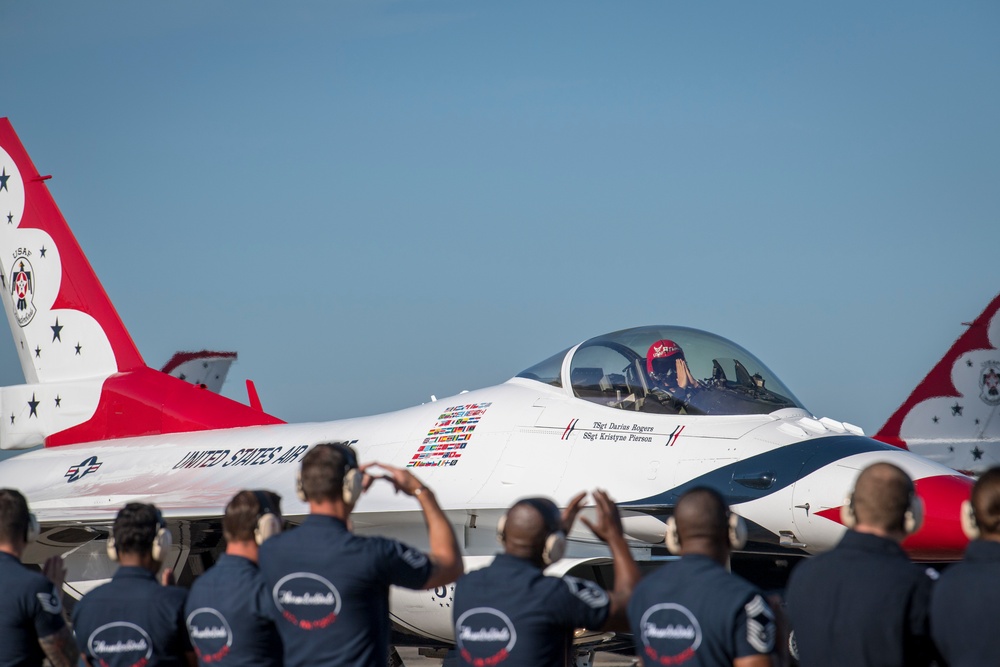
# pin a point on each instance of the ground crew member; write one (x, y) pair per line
(133, 620)
(964, 620)
(511, 613)
(694, 611)
(32, 627)
(864, 602)
(330, 587)
(228, 608)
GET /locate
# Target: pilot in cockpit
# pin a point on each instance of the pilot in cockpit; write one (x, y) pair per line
(671, 379)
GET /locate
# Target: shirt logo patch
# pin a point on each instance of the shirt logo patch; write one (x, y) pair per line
(760, 625)
(210, 634)
(670, 633)
(51, 603)
(592, 595)
(307, 600)
(412, 557)
(485, 636)
(120, 643)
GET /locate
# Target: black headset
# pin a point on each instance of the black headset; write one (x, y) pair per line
(161, 542)
(352, 476)
(737, 533)
(555, 540)
(912, 519)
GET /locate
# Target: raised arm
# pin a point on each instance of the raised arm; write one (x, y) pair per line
(444, 554)
(609, 529)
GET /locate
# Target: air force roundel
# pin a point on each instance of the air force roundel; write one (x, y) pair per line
(22, 289)
(120, 643)
(670, 633)
(210, 634)
(307, 600)
(485, 636)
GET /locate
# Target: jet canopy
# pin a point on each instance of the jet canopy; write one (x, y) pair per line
(666, 370)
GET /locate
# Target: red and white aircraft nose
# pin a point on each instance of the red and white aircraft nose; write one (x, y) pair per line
(940, 537)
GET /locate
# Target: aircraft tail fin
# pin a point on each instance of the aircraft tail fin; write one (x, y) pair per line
(953, 415)
(85, 379)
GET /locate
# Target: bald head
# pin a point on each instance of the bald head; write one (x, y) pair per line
(528, 524)
(702, 516)
(986, 503)
(881, 497)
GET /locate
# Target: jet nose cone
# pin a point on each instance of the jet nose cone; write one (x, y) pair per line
(940, 537)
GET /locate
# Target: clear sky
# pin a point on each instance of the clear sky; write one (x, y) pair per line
(373, 202)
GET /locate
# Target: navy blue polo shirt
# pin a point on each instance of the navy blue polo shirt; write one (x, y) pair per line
(31, 609)
(228, 616)
(696, 613)
(965, 622)
(861, 603)
(329, 591)
(511, 613)
(132, 621)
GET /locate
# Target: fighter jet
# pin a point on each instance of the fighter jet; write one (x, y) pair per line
(645, 413)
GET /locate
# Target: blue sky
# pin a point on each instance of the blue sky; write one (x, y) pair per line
(373, 202)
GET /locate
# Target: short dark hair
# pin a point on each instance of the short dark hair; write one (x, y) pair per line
(135, 528)
(242, 512)
(702, 512)
(986, 501)
(13, 516)
(323, 470)
(882, 495)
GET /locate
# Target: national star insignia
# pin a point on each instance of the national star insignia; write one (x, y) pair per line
(56, 331)
(33, 404)
(977, 453)
(956, 410)
(3, 179)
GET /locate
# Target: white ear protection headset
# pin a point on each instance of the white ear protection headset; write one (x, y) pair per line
(912, 519)
(353, 478)
(555, 541)
(737, 534)
(161, 543)
(268, 523)
(969, 525)
(33, 530)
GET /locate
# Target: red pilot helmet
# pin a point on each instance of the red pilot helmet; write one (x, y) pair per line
(662, 349)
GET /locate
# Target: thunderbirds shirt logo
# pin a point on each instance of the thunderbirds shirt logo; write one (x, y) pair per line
(22, 288)
(307, 600)
(210, 634)
(120, 643)
(670, 634)
(485, 636)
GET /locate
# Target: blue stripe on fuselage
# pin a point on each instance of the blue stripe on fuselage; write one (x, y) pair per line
(762, 475)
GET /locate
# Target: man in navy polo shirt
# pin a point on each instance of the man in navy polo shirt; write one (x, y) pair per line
(133, 620)
(863, 602)
(228, 608)
(31, 619)
(510, 613)
(330, 587)
(693, 611)
(964, 620)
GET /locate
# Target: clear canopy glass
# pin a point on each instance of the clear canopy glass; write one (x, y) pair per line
(667, 370)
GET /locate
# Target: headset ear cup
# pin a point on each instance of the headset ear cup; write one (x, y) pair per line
(847, 513)
(112, 551)
(299, 491)
(671, 537)
(914, 517)
(737, 531)
(555, 547)
(969, 525)
(353, 480)
(161, 543)
(501, 524)
(268, 526)
(34, 530)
